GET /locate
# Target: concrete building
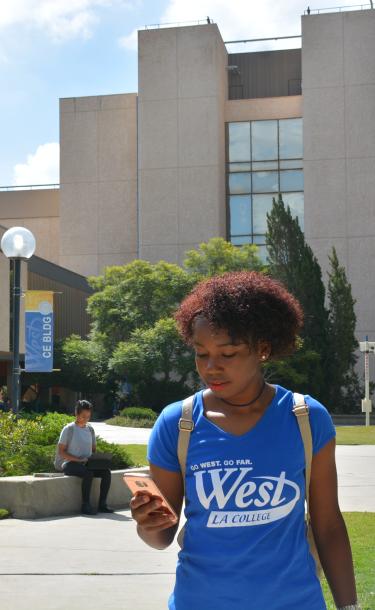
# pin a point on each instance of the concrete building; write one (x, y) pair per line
(206, 143)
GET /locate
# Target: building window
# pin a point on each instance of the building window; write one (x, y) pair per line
(264, 158)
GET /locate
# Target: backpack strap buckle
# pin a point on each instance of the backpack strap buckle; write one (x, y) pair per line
(186, 424)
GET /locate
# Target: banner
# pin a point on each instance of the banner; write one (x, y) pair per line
(38, 331)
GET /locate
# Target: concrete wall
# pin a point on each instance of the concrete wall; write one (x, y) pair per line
(338, 83)
(261, 109)
(38, 211)
(35, 497)
(182, 93)
(98, 178)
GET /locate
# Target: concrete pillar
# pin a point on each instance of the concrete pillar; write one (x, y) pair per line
(181, 135)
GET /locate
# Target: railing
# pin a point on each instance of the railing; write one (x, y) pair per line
(338, 9)
(155, 26)
(29, 187)
(262, 39)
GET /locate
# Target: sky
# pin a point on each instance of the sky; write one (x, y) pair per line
(51, 49)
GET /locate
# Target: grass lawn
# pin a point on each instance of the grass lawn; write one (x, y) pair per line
(355, 435)
(137, 454)
(361, 528)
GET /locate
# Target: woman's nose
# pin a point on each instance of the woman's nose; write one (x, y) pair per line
(212, 364)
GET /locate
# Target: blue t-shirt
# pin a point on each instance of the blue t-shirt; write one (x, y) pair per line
(245, 544)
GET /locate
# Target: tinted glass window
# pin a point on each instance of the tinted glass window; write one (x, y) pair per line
(295, 202)
(239, 167)
(258, 165)
(264, 158)
(239, 183)
(240, 214)
(291, 180)
(290, 133)
(264, 140)
(265, 182)
(239, 142)
(241, 241)
(261, 205)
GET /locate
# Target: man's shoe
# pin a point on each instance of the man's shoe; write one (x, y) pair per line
(103, 508)
(87, 509)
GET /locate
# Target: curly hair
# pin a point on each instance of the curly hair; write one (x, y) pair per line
(250, 306)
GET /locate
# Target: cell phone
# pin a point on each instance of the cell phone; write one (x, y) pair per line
(144, 483)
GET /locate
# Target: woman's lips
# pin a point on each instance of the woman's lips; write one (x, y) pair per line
(217, 385)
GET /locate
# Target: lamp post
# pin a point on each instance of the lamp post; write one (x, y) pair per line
(17, 244)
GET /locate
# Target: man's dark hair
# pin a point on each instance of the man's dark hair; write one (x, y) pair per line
(83, 405)
(250, 306)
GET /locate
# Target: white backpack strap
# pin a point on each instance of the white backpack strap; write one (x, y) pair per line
(185, 426)
(301, 411)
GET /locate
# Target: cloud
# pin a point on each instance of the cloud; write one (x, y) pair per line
(129, 42)
(40, 168)
(59, 19)
(244, 19)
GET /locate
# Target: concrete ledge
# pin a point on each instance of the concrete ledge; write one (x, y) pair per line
(31, 497)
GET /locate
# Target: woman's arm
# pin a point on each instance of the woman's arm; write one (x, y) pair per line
(158, 530)
(329, 527)
(68, 456)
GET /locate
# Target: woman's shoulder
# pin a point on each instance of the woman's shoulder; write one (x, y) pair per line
(172, 412)
(71, 424)
(322, 428)
(286, 396)
(162, 446)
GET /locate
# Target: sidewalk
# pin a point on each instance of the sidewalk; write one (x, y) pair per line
(121, 435)
(82, 563)
(99, 563)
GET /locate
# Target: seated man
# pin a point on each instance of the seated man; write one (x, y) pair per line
(76, 444)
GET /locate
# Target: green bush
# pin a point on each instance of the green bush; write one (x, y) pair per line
(120, 457)
(28, 444)
(129, 423)
(139, 413)
(4, 513)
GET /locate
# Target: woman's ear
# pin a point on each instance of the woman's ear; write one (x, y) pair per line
(264, 350)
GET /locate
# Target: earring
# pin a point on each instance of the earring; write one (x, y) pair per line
(263, 357)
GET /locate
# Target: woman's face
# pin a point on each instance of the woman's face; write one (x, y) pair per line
(230, 369)
(83, 417)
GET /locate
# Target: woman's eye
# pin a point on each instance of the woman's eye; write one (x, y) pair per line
(228, 355)
(200, 355)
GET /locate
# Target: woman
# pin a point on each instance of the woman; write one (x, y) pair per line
(76, 444)
(245, 541)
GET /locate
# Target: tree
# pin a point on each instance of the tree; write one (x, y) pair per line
(344, 385)
(218, 256)
(157, 362)
(292, 261)
(134, 296)
(133, 335)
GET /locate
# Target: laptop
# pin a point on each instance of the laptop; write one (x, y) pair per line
(99, 460)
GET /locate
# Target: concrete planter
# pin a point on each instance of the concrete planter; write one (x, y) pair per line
(47, 495)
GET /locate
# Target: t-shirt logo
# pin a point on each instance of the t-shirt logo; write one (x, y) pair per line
(267, 498)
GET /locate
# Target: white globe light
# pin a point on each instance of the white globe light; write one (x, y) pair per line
(18, 242)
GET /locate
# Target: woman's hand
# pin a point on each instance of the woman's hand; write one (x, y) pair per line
(146, 512)
(155, 527)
